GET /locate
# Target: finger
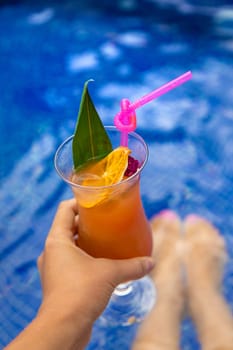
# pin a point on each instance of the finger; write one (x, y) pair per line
(64, 221)
(131, 269)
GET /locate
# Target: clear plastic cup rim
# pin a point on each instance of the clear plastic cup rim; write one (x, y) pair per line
(129, 179)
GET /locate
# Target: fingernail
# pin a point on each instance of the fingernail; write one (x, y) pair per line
(150, 264)
(167, 214)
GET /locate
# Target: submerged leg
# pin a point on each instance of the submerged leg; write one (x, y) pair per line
(161, 328)
(204, 259)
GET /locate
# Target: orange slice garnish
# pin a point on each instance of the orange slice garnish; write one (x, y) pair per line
(108, 171)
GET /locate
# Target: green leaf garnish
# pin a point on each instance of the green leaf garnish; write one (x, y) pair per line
(90, 142)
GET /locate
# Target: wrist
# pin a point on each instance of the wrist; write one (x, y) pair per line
(69, 326)
(52, 329)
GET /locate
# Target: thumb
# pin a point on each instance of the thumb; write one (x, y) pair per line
(131, 269)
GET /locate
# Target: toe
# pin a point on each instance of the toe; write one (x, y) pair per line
(165, 219)
(198, 229)
(166, 227)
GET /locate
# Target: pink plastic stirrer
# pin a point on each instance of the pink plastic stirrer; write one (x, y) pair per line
(125, 120)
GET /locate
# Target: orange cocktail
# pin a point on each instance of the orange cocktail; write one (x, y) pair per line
(112, 221)
(117, 228)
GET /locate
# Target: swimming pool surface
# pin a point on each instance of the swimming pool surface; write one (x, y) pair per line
(47, 50)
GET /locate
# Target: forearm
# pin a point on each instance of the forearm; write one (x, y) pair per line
(52, 331)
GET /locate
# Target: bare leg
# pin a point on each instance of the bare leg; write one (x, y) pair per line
(161, 329)
(204, 261)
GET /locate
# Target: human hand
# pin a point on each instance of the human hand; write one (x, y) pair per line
(74, 282)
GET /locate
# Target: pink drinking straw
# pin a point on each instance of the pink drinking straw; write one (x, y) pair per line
(125, 120)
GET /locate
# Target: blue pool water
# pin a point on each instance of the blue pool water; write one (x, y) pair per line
(129, 47)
